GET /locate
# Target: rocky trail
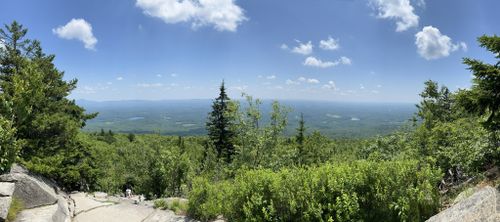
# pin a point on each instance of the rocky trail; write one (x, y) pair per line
(43, 201)
(98, 207)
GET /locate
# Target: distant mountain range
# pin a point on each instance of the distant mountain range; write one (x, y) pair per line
(187, 117)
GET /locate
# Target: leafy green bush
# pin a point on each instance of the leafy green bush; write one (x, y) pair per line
(8, 145)
(462, 144)
(361, 190)
(160, 204)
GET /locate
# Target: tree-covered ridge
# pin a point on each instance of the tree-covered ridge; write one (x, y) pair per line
(246, 168)
(45, 123)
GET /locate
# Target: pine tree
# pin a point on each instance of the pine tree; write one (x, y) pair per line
(47, 122)
(220, 125)
(300, 138)
(483, 98)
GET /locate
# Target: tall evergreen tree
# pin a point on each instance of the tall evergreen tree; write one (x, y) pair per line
(300, 138)
(483, 98)
(47, 122)
(220, 125)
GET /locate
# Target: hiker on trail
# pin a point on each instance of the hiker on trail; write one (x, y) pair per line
(128, 192)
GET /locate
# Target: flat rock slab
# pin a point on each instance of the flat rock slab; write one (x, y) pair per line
(85, 203)
(39, 214)
(7, 188)
(166, 216)
(4, 207)
(124, 212)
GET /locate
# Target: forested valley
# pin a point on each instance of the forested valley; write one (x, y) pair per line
(246, 168)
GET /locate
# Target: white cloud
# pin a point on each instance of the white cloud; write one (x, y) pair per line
(77, 29)
(431, 44)
(330, 85)
(109, 83)
(159, 75)
(284, 46)
(345, 61)
(329, 44)
(375, 91)
(291, 82)
(149, 85)
(379, 86)
(361, 86)
(314, 62)
(303, 48)
(224, 15)
(302, 79)
(119, 78)
(399, 10)
(313, 81)
(174, 75)
(271, 77)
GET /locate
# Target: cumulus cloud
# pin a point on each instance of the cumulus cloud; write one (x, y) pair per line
(303, 48)
(345, 61)
(174, 75)
(159, 75)
(329, 44)
(331, 85)
(314, 62)
(284, 46)
(271, 77)
(301, 79)
(119, 78)
(399, 10)
(431, 44)
(223, 15)
(77, 29)
(313, 81)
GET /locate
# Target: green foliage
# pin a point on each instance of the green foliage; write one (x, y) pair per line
(34, 94)
(483, 98)
(9, 146)
(361, 190)
(16, 206)
(175, 205)
(160, 204)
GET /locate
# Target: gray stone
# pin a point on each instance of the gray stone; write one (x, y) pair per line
(6, 189)
(480, 206)
(4, 207)
(34, 192)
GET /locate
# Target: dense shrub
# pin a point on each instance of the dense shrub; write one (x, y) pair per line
(362, 190)
(8, 145)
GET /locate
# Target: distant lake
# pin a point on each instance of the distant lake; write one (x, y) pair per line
(188, 117)
(135, 118)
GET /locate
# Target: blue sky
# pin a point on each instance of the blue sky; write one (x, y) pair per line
(339, 50)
